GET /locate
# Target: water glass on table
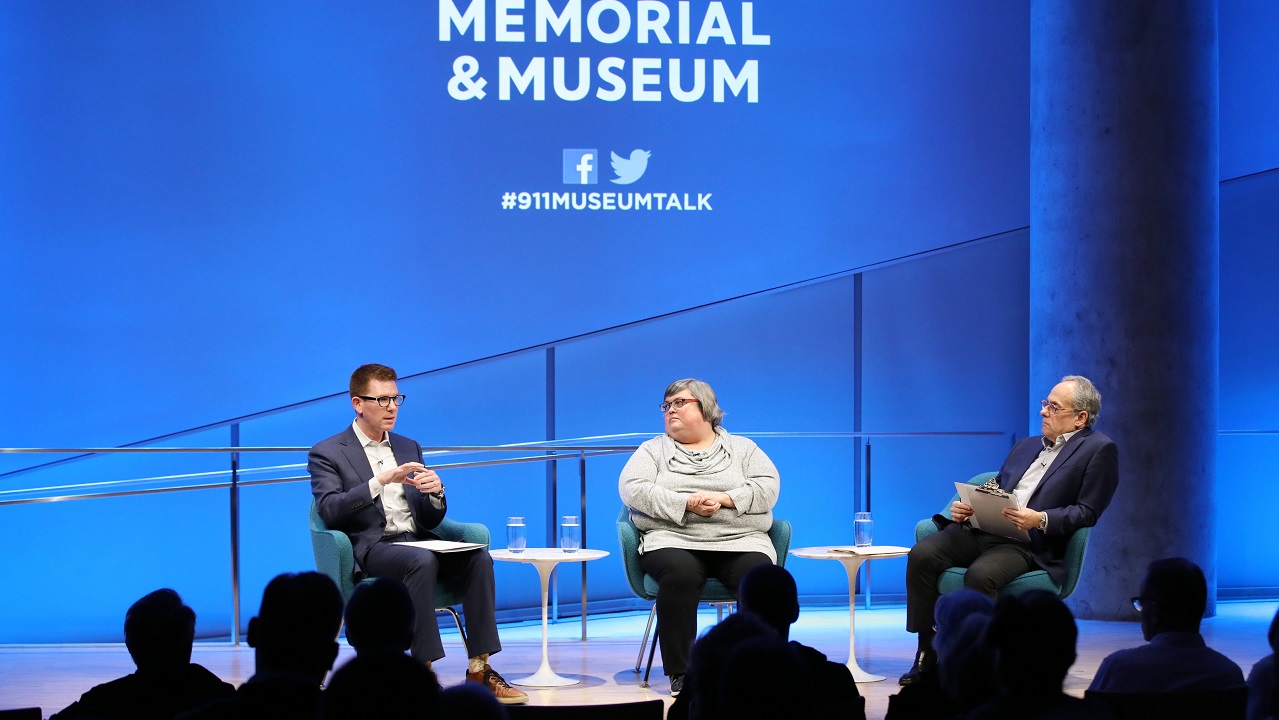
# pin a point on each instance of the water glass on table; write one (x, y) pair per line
(570, 534)
(862, 529)
(516, 535)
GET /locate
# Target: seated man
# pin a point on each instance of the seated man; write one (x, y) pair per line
(158, 631)
(1175, 658)
(371, 484)
(294, 641)
(1063, 480)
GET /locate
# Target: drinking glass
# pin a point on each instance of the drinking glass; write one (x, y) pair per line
(516, 537)
(862, 529)
(570, 534)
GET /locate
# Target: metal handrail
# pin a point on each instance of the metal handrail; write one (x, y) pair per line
(554, 451)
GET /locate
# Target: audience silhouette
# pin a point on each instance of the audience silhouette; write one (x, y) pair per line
(1263, 690)
(700, 699)
(766, 677)
(1174, 595)
(1032, 636)
(294, 638)
(158, 632)
(769, 592)
(964, 675)
(380, 617)
(352, 693)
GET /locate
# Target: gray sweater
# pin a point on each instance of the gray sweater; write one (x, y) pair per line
(659, 477)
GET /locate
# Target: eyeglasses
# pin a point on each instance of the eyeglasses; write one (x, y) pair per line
(385, 400)
(1140, 603)
(1053, 408)
(677, 403)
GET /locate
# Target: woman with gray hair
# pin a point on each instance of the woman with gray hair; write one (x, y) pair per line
(703, 501)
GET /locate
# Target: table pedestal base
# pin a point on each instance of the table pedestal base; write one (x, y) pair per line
(852, 565)
(545, 677)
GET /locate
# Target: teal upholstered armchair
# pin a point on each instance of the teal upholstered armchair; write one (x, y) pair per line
(645, 586)
(335, 558)
(953, 578)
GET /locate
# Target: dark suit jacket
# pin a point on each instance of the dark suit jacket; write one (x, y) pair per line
(1074, 491)
(340, 474)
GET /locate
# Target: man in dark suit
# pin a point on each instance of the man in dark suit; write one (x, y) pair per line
(371, 484)
(1063, 480)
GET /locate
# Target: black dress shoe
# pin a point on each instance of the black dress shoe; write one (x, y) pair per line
(924, 662)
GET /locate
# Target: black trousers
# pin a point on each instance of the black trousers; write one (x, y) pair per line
(420, 570)
(992, 563)
(680, 575)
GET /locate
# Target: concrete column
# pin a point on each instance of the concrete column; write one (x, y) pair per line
(1124, 266)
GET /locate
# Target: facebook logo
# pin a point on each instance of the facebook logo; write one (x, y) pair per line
(581, 167)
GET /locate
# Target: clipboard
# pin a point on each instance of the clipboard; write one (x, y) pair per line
(988, 504)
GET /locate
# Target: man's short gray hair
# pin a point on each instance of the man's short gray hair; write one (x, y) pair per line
(705, 398)
(1086, 397)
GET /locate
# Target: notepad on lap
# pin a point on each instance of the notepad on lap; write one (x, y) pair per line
(988, 511)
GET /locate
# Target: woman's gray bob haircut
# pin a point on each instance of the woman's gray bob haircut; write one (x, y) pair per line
(705, 398)
(1086, 397)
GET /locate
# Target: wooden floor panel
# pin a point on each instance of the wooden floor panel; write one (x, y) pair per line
(51, 677)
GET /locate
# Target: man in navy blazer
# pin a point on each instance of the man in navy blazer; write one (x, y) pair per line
(1063, 480)
(371, 484)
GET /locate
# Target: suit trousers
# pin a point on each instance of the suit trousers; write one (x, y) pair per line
(992, 561)
(420, 570)
(680, 575)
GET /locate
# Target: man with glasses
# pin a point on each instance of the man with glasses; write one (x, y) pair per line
(1062, 480)
(371, 484)
(1175, 659)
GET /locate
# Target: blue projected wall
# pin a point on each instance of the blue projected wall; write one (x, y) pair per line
(211, 209)
(226, 190)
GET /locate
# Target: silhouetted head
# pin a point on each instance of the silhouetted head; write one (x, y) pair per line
(1274, 634)
(769, 592)
(710, 652)
(380, 617)
(352, 692)
(1174, 595)
(1033, 637)
(965, 663)
(159, 630)
(297, 626)
(471, 701)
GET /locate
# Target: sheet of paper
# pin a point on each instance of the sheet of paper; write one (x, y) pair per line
(871, 550)
(988, 511)
(442, 546)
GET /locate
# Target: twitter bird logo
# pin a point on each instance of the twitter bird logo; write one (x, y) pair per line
(628, 171)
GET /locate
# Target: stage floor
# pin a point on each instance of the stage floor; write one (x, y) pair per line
(51, 677)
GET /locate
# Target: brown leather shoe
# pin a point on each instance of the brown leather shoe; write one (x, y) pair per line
(498, 685)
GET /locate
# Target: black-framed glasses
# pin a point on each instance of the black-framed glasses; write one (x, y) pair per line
(384, 400)
(677, 403)
(1140, 603)
(1053, 408)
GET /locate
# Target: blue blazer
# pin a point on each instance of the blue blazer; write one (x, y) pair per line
(1075, 490)
(340, 474)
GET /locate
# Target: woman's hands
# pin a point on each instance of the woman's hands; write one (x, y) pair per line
(705, 503)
